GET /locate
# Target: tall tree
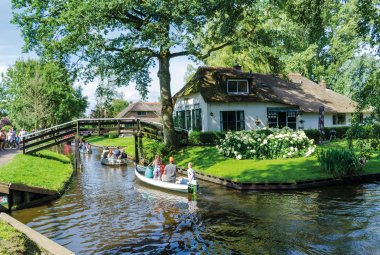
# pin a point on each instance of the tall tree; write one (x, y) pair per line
(123, 39)
(38, 95)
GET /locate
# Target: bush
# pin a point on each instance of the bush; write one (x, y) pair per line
(211, 137)
(312, 134)
(7, 128)
(339, 162)
(112, 134)
(195, 137)
(157, 147)
(266, 144)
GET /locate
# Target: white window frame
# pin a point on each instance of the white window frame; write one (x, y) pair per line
(238, 93)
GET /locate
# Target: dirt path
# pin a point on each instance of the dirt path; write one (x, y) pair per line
(7, 155)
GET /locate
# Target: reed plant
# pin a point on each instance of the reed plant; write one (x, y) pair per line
(339, 162)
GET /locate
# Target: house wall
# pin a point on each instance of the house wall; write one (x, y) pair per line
(251, 110)
(311, 120)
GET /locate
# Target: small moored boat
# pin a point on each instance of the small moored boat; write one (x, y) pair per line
(114, 162)
(188, 188)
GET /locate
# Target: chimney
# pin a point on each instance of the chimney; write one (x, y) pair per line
(322, 83)
(237, 66)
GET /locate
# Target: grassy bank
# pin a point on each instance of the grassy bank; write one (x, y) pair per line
(207, 160)
(48, 170)
(14, 242)
(127, 143)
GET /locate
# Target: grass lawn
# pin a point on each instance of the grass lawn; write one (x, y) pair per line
(48, 170)
(15, 242)
(128, 143)
(207, 160)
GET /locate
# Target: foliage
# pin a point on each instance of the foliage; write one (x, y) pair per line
(117, 105)
(47, 170)
(211, 137)
(339, 162)
(208, 137)
(157, 148)
(194, 137)
(340, 132)
(313, 134)
(124, 39)
(266, 144)
(6, 128)
(40, 94)
(108, 102)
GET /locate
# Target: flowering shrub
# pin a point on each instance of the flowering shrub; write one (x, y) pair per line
(266, 144)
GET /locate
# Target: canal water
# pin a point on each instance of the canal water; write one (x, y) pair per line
(106, 210)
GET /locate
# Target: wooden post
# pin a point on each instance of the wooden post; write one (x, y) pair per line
(10, 201)
(136, 148)
(99, 127)
(118, 127)
(23, 145)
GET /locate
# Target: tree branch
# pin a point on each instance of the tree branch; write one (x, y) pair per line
(134, 50)
(208, 53)
(179, 54)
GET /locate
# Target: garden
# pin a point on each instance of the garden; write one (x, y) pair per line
(271, 155)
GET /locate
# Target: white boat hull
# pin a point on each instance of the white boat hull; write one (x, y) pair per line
(159, 184)
(114, 162)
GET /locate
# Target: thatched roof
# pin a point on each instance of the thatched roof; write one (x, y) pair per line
(140, 106)
(211, 83)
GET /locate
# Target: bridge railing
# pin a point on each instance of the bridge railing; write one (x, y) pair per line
(48, 137)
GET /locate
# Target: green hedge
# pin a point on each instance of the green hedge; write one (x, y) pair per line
(209, 137)
(113, 134)
(340, 132)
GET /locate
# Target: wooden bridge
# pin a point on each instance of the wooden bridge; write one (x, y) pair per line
(65, 132)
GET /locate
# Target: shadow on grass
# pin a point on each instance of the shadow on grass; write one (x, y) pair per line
(205, 157)
(57, 157)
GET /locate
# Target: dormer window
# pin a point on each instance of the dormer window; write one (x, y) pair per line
(237, 86)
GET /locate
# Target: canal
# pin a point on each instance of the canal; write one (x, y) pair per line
(106, 210)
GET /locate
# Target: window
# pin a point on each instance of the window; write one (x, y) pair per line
(232, 120)
(197, 119)
(237, 86)
(188, 120)
(141, 113)
(339, 119)
(282, 117)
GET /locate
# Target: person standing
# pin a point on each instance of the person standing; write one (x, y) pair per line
(2, 139)
(156, 163)
(170, 171)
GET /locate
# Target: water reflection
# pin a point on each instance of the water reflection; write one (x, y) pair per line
(106, 210)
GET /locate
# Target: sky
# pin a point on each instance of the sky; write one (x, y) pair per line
(11, 43)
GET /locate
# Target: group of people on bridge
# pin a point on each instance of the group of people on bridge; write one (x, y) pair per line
(167, 173)
(11, 139)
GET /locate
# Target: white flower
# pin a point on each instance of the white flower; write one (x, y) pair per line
(238, 157)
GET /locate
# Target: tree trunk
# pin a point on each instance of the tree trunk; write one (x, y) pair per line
(166, 99)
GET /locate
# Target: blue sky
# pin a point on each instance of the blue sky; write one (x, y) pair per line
(11, 44)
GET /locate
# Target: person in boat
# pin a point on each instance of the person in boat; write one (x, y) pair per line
(110, 155)
(105, 152)
(117, 152)
(190, 173)
(170, 171)
(87, 147)
(156, 163)
(123, 155)
(190, 176)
